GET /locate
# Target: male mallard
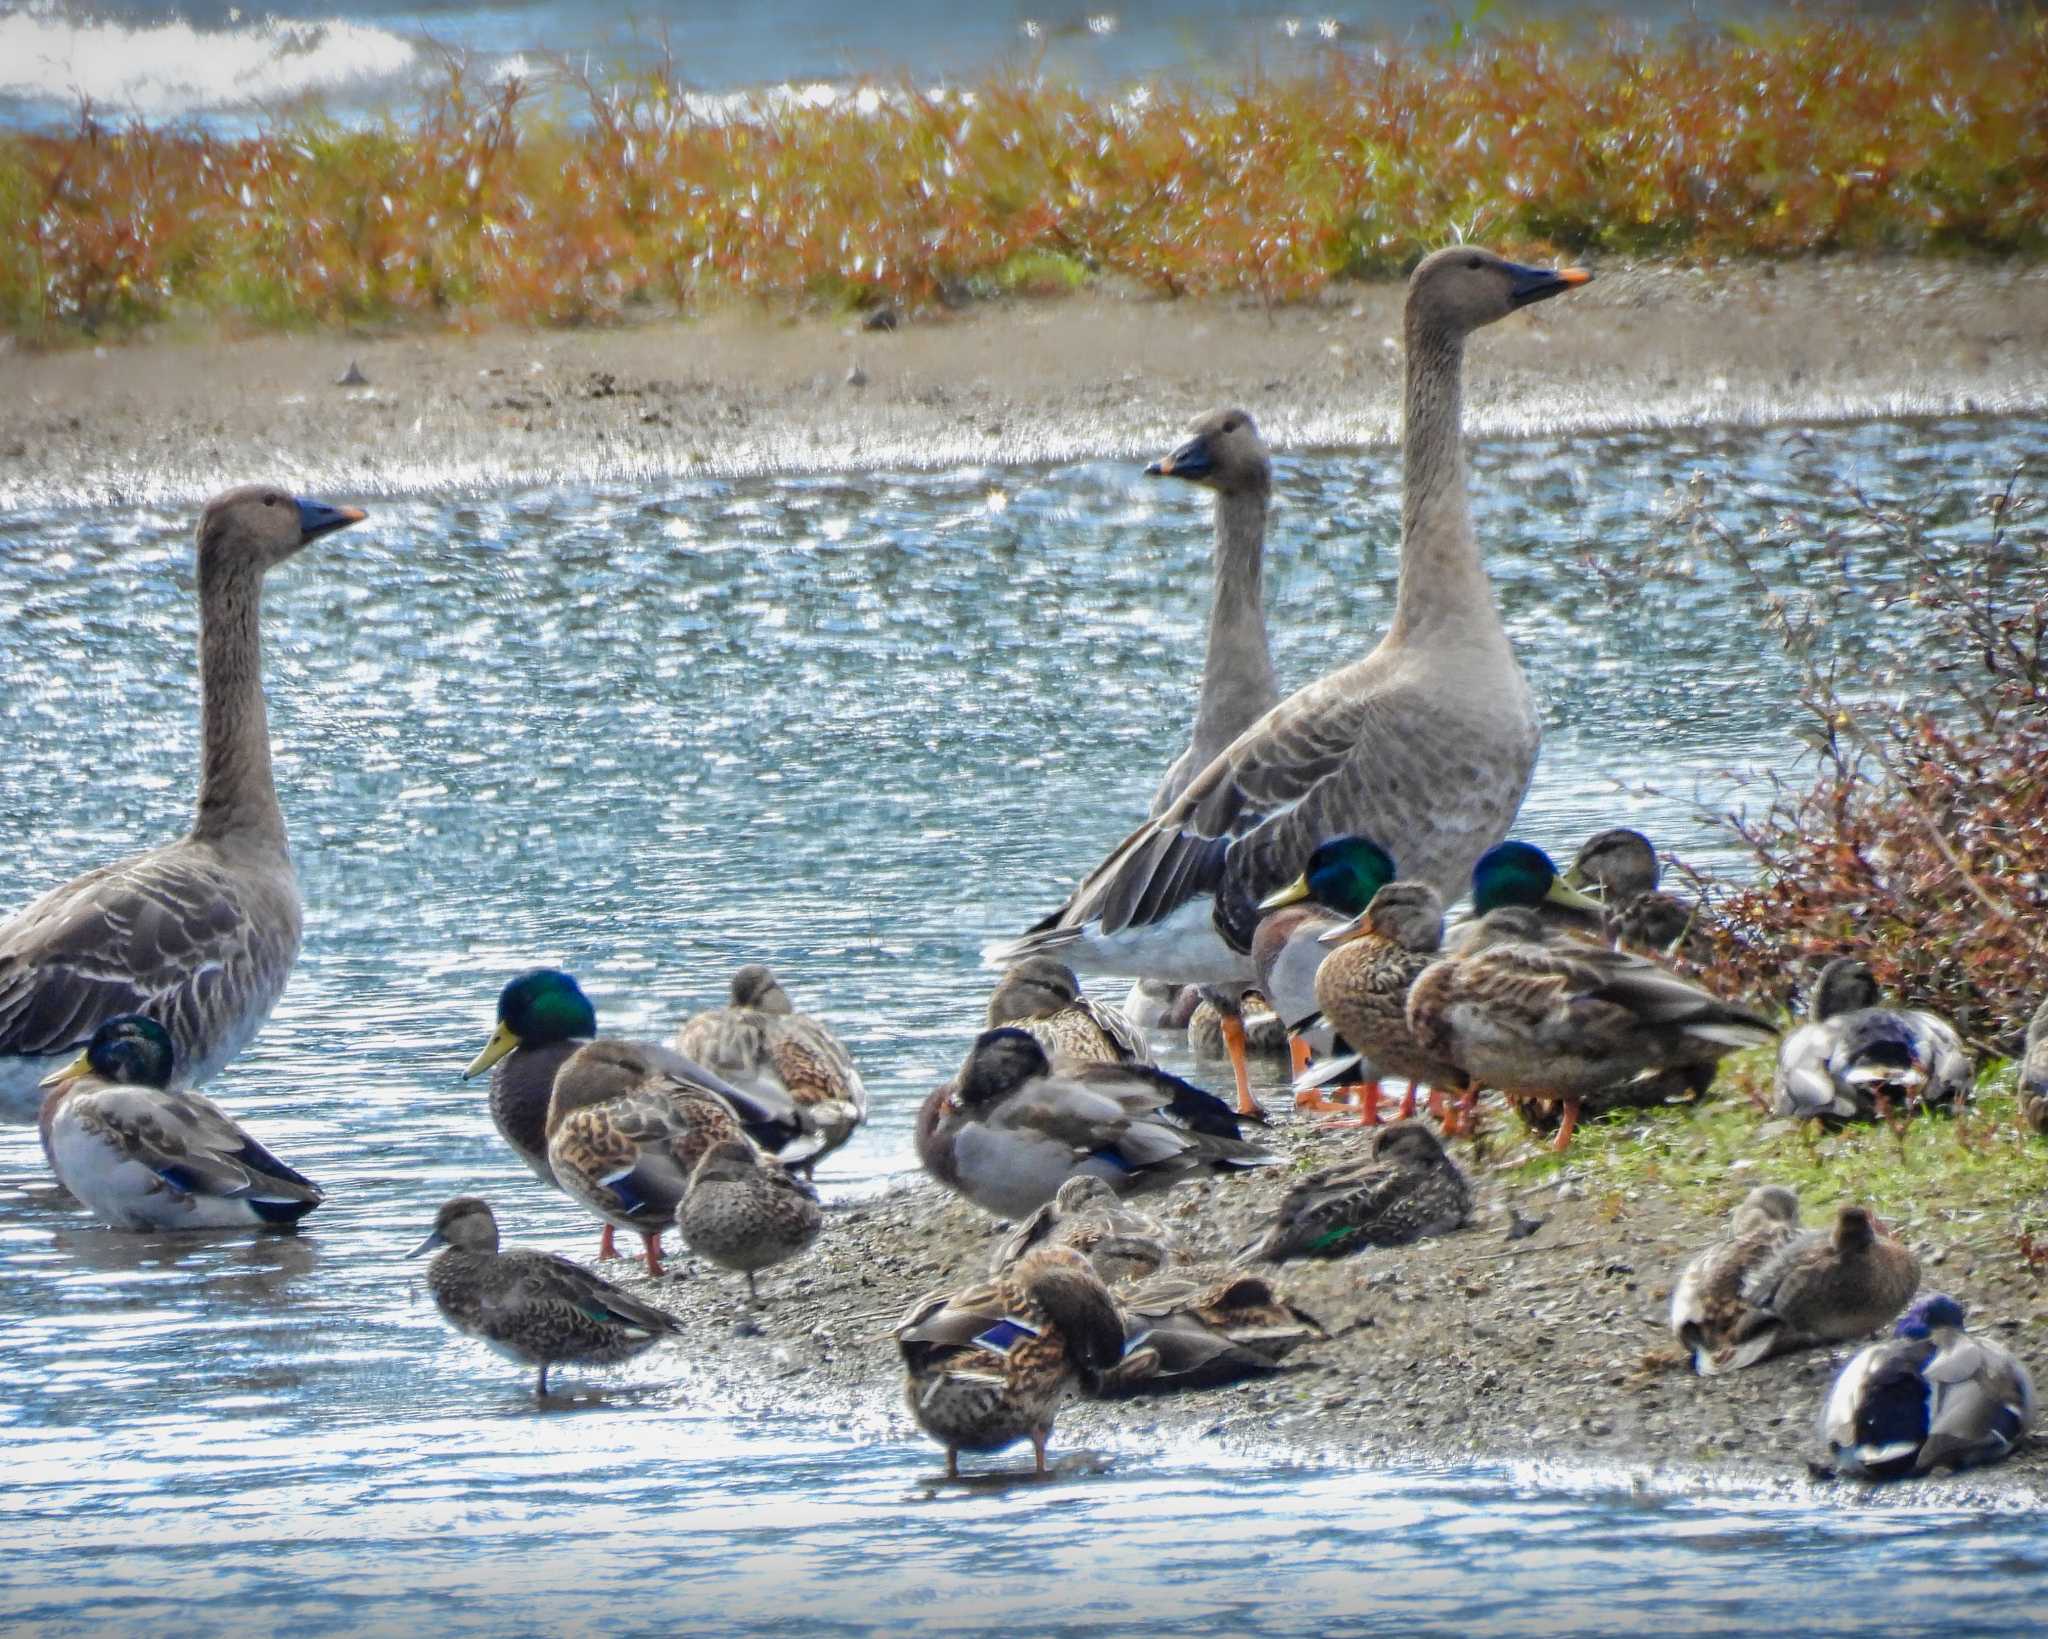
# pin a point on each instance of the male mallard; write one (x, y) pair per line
(1636, 914)
(1537, 1020)
(1120, 1241)
(1427, 742)
(1519, 875)
(532, 1307)
(1009, 1129)
(200, 934)
(1857, 1060)
(543, 1017)
(2034, 1072)
(1337, 884)
(143, 1157)
(1930, 1397)
(1706, 1302)
(991, 1365)
(626, 1128)
(1042, 996)
(1406, 1189)
(759, 1042)
(1203, 1326)
(745, 1212)
(1821, 1287)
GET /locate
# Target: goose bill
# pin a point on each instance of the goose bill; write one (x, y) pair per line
(1192, 460)
(317, 518)
(1535, 284)
(502, 1042)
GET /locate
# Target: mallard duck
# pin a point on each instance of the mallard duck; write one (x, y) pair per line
(1857, 1060)
(1202, 1327)
(1009, 1129)
(532, 1307)
(141, 1156)
(1427, 742)
(1515, 875)
(627, 1126)
(1406, 1189)
(760, 1043)
(745, 1212)
(1706, 1303)
(1636, 914)
(200, 934)
(1821, 1287)
(1228, 1027)
(1334, 887)
(1932, 1396)
(543, 1017)
(1121, 1242)
(1362, 990)
(991, 1365)
(1537, 1020)
(2034, 1072)
(1042, 996)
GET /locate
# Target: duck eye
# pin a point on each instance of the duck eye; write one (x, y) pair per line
(270, 500)
(1473, 263)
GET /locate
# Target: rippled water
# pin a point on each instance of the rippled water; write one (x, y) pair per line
(852, 725)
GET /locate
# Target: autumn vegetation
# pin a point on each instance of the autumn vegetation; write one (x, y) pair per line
(571, 200)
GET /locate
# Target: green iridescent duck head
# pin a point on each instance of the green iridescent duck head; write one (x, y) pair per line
(1342, 875)
(537, 1008)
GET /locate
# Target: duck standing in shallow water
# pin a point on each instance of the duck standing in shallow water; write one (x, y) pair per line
(1822, 1288)
(532, 1307)
(1042, 997)
(1406, 1190)
(991, 1365)
(1010, 1128)
(1425, 745)
(759, 1042)
(1932, 1396)
(201, 934)
(1706, 1301)
(747, 1213)
(1858, 1060)
(140, 1156)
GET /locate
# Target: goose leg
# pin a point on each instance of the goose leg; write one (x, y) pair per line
(608, 1247)
(952, 1462)
(1565, 1128)
(1233, 1039)
(1038, 1453)
(653, 1251)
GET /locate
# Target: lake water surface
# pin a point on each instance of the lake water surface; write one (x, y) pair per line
(853, 725)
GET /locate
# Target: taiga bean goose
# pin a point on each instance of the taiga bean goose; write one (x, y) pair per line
(201, 934)
(1425, 745)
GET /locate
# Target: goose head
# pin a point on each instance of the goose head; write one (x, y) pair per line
(1342, 874)
(1621, 863)
(1462, 287)
(756, 986)
(1845, 986)
(537, 1008)
(129, 1049)
(1521, 874)
(258, 526)
(1035, 988)
(1222, 451)
(465, 1223)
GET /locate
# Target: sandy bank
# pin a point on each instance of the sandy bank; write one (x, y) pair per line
(1084, 377)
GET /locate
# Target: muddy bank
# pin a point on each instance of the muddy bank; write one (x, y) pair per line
(1549, 1349)
(1090, 376)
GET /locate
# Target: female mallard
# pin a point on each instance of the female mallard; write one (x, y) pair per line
(1009, 1129)
(543, 1017)
(1537, 1020)
(745, 1212)
(759, 1042)
(1042, 997)
(1203, 1327)
(1930, 1397)
(1406, 1189)
(2034, 1072)
(1334, 887)
(1426, 744)
(990, 1366)
(143, 1157)
(532, 1307)
(1821, 1287)
(1857, 1060)
(1636, 914)
(1118, 1240)
(200, 934)
(1706, 1303)
(627, 1125)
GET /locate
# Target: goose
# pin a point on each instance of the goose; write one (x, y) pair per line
(1931, 1396)
(1425, 745)
(1706, 1301)
(200, 934)
(1223, 453)
(991, 1365)
(1856, 1059)
(1822, 1286)
(532, 1307)
(745, 1212)
(1042, 997)
(140, 1155)
(1406, 1189)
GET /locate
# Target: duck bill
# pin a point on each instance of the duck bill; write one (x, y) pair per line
(71, 1072)
(1293, 893)
(1350, 930)
(1538, 284)
(1192, 460)
(502, 1042)
(1561, 892)
(317, 518)
(1575, 877)
(434, 1238)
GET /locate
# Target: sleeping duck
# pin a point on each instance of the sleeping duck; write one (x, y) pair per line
(1858, 1060)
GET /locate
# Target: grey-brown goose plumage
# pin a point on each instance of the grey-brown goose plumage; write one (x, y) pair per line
(201, 934)
(1426, 744)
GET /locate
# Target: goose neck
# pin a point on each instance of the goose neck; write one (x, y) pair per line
(1237, 670)
(1443, 581)
(237, 797)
